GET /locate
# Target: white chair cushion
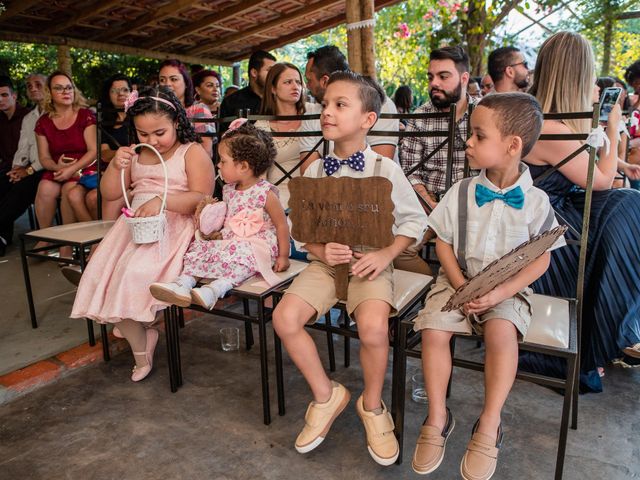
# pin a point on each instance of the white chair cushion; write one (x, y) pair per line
(256, 285)
(550, 323)
(406, 285)
(79, 232)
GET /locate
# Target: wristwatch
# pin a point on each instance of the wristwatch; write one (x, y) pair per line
(30, 170)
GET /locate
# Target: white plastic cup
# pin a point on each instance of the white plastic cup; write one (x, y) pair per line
(230, 339)
(418, 393)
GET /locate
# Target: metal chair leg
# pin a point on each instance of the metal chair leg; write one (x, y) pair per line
(398, 388)
(104, 335)
(264, 365)
(330, 347)
(248, 330)
(27, 283)
(452, 349)
(90, 333)
(570, 388)
(170, 350)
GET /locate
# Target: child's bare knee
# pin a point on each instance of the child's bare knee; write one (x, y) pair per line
(374, 331)
(286, 321)
(436, 337)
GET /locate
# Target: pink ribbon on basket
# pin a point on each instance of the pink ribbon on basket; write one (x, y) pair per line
(245, 225)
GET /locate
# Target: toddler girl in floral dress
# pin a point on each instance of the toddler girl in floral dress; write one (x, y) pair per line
(255, 235)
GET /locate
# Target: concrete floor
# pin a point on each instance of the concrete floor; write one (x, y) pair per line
(21, 345)
(97, 424)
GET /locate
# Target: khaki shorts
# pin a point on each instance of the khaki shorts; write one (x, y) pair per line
(315, 285)
(516, 310)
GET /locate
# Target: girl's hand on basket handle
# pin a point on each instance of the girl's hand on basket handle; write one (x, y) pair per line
(122, 158)
(150, 208)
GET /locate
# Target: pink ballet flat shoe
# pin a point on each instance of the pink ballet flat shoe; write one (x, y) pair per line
(117, 333)
(140, 373)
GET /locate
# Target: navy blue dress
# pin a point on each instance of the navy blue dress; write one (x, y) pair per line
(611, 311)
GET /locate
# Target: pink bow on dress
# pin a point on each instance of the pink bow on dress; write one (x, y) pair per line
(246, 223)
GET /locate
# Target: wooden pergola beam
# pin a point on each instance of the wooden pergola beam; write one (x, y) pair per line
(263, 26)
(16, 8)
(107, 47)
(628, 15)
(94, 9)
(297, 35)
(147, 18)
(204, 22)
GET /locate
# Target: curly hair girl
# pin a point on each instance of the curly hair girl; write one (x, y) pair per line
(252, 145)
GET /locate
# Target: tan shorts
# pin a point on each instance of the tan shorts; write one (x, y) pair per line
(516, 310)
(315, 285)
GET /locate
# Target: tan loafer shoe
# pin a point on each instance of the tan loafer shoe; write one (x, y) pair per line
(320, 417)
(381, 441)
(481, 458)
(430, 446)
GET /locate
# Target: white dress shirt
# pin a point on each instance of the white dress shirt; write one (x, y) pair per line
(27, 152)
(496, 228)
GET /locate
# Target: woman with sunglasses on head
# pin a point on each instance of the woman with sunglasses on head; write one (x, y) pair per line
(66, 139)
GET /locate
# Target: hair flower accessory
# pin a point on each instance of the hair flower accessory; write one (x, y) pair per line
(131, 99)
(237, 123)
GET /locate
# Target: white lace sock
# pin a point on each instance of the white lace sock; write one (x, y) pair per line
(186, 281)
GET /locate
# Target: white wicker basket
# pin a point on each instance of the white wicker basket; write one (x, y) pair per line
(147, 229)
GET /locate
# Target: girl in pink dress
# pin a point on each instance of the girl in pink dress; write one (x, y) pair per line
(115, 285)
(255, 235)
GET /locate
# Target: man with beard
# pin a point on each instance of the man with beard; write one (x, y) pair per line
(448, 75)
(250, 96)
(509, 70)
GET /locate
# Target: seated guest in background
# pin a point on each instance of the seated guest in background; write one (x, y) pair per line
(508, 70)
(473, 89)
(611, 308)
(486, 85)
(283, 95)
(174, 74)
(403, 100)
(448, 74)
(249, 97)
(14, 199)
(115, 134)
(632, 76)
(66, 138)
(230, 90)
(321, 64)
(207, 84)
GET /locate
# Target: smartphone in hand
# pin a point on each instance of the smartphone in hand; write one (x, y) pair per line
(608, 99)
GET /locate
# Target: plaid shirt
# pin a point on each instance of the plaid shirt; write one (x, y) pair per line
(432, 174)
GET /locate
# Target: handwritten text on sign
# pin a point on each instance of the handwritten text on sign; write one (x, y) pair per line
(351, 211)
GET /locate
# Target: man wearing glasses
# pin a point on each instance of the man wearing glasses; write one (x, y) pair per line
(509, 70)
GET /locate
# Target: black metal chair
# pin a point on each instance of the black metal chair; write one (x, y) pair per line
(555, 327)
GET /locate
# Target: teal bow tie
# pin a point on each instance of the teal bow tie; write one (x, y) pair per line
(514, 198)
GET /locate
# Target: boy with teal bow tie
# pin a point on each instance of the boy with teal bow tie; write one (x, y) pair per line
(478, 221)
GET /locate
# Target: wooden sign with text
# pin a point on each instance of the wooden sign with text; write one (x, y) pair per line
(350, 211)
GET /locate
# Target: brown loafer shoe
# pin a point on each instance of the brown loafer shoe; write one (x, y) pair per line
(481, 458)
(430, 446)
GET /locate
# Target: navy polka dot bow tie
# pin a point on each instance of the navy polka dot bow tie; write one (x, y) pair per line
(355, 161)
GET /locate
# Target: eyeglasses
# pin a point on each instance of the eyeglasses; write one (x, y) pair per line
(524, 63)
(60, 88)
(120, 90)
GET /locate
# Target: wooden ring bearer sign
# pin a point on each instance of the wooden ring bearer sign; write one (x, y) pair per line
(351, 211)
(502, 269)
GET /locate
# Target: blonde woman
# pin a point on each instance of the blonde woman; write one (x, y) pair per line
(66, 139)
(564, 82)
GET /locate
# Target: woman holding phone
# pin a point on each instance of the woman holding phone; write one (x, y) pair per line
(66, 139)
(564, 82)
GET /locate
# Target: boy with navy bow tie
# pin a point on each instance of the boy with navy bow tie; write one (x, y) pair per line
(350, 107)
(479, 220)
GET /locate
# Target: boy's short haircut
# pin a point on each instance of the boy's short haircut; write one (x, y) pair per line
(456, 54)
(517, 114)
(371, 95)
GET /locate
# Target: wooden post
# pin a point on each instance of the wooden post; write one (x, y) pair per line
(368, 40)
(64, 59)
(354, 42)
(236, 74)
